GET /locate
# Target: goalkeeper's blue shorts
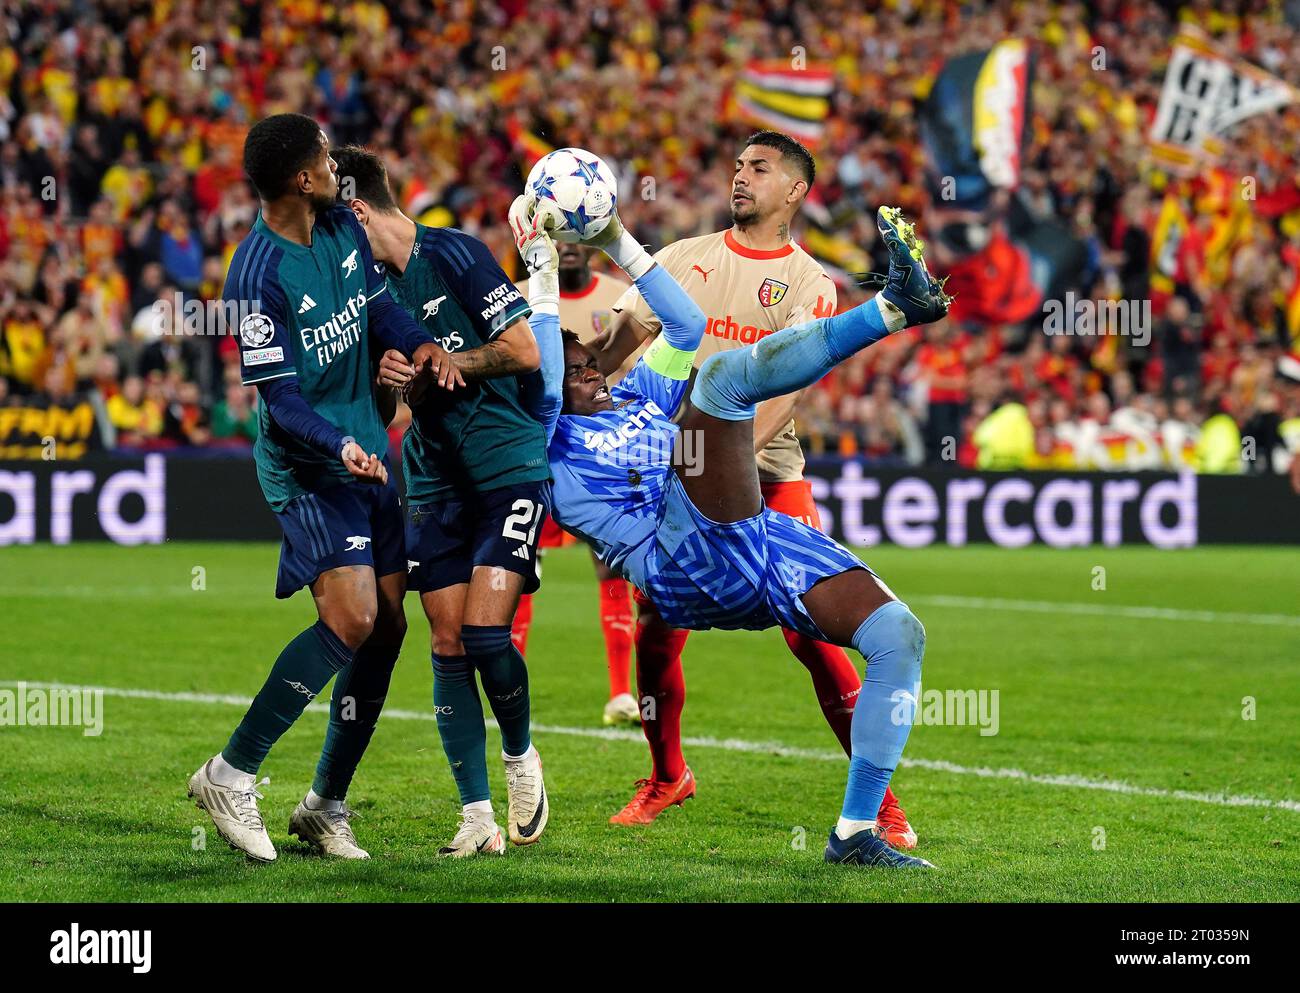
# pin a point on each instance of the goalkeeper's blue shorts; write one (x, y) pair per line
(751, 573)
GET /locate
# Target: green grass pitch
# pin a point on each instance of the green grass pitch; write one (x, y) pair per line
(1093, 699)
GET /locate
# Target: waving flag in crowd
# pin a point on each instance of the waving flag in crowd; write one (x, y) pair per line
(1206, 92)
(795, 101)
(1002, 262)
(528, 146)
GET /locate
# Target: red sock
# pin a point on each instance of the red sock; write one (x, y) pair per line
(616, 621)
(522, 622)
(835, 679)
(659, 676)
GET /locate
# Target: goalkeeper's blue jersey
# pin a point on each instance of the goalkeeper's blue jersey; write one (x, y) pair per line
(615, 485)
(611, 469)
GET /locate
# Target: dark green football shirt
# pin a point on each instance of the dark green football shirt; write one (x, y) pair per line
(303, 313)
(479, 438)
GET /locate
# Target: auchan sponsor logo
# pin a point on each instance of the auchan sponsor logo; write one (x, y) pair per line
(728, 328)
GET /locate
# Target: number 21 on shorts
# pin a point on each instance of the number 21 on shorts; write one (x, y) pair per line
(526, 514)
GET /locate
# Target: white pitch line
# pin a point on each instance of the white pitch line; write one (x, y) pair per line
(737, 745)
(1075, 607)
(1106, 610)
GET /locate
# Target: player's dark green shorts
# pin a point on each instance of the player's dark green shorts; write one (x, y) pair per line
(446, 540)
(348, 524)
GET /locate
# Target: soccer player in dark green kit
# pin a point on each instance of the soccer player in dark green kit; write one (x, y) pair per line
(308, 299)
(476, 480)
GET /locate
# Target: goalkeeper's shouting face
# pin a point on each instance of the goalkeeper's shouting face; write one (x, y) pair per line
(585, 391)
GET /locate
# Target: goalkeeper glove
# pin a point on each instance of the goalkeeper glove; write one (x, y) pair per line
(628, 253)
(536, 248)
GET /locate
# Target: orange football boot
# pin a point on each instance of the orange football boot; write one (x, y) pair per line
(893, 823)
(653, 798)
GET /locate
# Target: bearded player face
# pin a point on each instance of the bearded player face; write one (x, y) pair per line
(761, 185)
(320, 183)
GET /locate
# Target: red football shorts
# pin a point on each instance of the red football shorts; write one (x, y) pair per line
(794, 499)
(554, 536)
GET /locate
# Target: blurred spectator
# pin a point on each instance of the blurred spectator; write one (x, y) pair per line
(1180, 434)
(1218, 450)
(234, 418)
(887, 431)
(941, 371)
(1005, 438)
(23, 344)
(1179, 335)
(136, 418)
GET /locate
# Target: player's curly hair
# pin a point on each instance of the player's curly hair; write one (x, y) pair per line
(789, 148)
(277, 149)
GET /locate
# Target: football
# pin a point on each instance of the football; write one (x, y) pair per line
(578, 189)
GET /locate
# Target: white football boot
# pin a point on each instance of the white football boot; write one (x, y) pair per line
(327, 831)
(476, 836)
(234, 812)
(528, 809)
(622, 709)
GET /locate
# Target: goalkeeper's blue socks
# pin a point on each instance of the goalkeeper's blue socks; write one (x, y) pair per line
(302, 670)
(892, 641)
(459, 713)
(358, 698)
(730, 384)
(505, 681)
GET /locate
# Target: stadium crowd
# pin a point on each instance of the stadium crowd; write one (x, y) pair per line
(121, 123)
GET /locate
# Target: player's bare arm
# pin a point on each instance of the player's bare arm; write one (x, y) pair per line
(386, 400)
(512, 353)
(773, 415)
(612, 347)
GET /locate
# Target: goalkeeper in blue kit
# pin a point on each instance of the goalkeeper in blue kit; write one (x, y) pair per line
(702, 545)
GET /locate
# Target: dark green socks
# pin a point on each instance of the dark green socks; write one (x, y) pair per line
(459, 711)
(302, 670)
(505, 681)
(460, 725)
(359, 694)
